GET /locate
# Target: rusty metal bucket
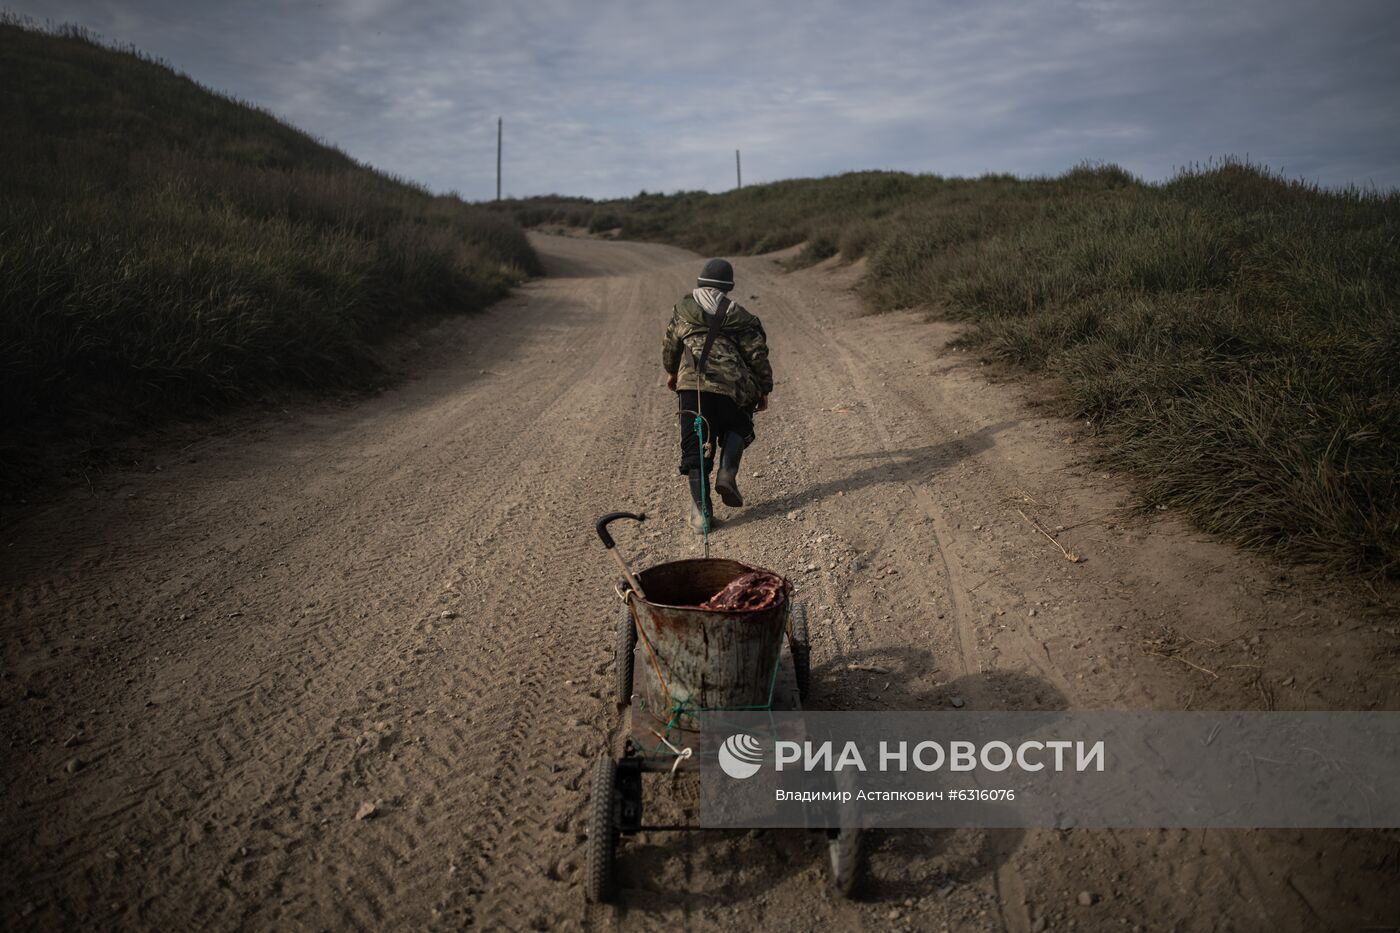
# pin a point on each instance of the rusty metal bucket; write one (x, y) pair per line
(690, 659)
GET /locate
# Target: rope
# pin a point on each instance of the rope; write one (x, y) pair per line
(701, 424)
(646, 643)
(704, 468)
(704, 478)
(681, 753)
(709, 432)
(682, 708)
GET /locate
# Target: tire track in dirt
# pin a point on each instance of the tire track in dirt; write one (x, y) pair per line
(246, 648)
(947, 587)
(853, 369)
(525, 829)
(931, 406)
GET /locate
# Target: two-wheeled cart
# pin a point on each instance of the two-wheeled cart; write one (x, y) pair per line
(673, 663)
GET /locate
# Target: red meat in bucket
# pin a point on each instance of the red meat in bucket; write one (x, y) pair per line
(758, 589)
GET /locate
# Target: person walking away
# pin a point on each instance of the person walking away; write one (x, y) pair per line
(736, 383)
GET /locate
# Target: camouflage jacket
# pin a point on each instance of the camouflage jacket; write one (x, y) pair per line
(738, 366)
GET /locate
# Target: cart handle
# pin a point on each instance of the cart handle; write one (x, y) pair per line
(602, 526)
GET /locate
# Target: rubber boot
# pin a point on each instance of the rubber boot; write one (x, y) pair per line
(698, 482)
(727, 476)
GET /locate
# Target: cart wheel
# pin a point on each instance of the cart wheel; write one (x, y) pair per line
(625, 644)
(844, 849)
(801, 649)
(602, 834)
(843, 844)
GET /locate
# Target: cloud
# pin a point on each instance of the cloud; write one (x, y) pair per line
(610, 98)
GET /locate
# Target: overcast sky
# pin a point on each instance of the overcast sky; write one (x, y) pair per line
(606, 99)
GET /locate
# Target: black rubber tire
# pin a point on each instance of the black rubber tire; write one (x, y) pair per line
(801, 647)
(602, 834)
(623, 647)
(844, 844)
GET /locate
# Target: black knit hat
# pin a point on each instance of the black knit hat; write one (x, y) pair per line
(718, 273)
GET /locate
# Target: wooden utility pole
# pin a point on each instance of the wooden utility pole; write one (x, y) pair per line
(738, 172)
(499, 126)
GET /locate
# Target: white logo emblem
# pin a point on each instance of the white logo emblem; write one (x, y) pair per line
(741, 756)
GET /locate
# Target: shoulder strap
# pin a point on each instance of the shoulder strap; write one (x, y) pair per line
(716, 323)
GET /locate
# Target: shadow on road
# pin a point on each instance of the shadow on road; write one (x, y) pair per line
(911, 465)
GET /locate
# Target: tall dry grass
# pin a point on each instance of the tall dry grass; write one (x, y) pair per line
(164, 248)
(1236, 333)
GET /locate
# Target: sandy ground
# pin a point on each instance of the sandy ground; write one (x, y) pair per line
(213, 662)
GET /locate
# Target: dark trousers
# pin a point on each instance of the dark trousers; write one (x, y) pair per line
(721, 416)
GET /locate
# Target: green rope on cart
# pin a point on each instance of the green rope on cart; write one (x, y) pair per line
(704, 478)
(683, 707)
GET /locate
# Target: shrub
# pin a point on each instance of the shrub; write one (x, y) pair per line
(1237, 333)
(164, 248)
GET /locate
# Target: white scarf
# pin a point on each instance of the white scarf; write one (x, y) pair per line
(707, 298)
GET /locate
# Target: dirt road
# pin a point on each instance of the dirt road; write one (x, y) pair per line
(214, 662)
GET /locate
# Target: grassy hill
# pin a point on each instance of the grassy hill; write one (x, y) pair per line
(166, 248)
(1237, 335)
